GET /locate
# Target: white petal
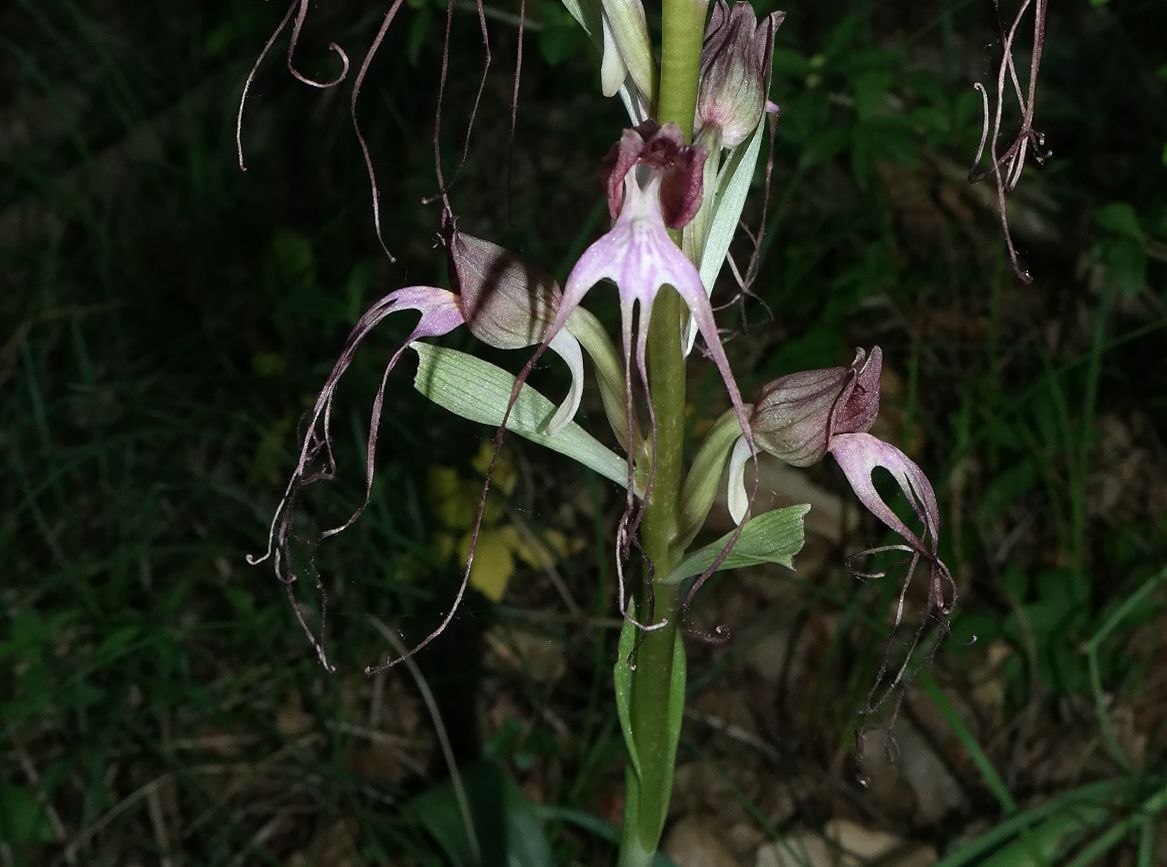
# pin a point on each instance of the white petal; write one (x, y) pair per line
(738, 497)
(612, 69)
(567, 347)
(690, 336)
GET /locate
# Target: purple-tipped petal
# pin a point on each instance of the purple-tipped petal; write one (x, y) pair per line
(796, 415)
(440, 314)
(680, 168)
(858, 407)
(620, 159)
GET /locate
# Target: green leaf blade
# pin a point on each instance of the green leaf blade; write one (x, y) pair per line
(479, 391)
(774, 537)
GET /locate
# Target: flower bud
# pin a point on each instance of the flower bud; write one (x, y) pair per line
(735, 70)
(626, 39)
(508, 302)
(795, 417)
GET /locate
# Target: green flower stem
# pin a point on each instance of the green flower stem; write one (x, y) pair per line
(654, 688)
(684, 30)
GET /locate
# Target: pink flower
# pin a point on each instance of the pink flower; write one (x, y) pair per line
(804, 416)
(653, 182)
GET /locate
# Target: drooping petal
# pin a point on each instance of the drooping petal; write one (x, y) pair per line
(859, 454)
(567, 347)
(692, 292)
(440, 314)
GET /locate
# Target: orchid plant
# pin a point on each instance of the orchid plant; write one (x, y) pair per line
(676, 181)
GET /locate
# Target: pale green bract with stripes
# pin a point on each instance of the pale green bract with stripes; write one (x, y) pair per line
(479, 391)
(774, 537)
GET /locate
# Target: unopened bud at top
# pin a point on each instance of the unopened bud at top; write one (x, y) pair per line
(735, 63)
(795, 416)
(627, 48)
(508, 302)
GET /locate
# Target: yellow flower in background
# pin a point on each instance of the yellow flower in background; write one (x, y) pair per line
(454, 500)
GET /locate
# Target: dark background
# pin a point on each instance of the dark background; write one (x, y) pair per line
(165, 320)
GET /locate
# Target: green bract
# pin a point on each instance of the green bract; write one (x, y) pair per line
(774, 537)
(479, 391)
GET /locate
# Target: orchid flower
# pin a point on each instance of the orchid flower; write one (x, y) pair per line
(653, 184)
(804, 416)
(503, 300)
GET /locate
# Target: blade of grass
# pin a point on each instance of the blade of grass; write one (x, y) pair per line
(1091, 649)
(1145, 815)
(976, 851)
(984, 765)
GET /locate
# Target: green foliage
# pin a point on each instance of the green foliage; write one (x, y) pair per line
(770, 538)
(479, 391)
(655, 767)
(1121, 250)
(559, 36)
(166, 320)
(506, 829)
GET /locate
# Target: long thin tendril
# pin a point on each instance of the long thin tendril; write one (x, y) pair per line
(515, 106)
(300, 8)
(1005, 168)
(480, 512)
(332, 46)
(251, 77)
(443, 187)
(360, 80)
